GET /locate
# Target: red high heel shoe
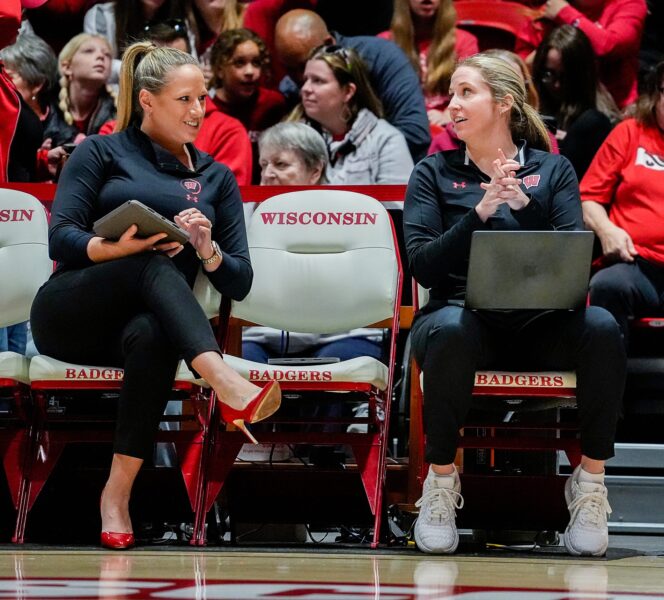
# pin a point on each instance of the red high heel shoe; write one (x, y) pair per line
(265, 403)
(116, 541)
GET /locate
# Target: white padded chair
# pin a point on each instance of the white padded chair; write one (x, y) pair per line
(324, 261)
(24, 267)
(50, 378)
(508, 390)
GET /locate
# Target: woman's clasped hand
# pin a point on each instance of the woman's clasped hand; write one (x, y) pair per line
(504, 188)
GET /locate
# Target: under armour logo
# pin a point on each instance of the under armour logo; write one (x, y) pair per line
(459, 184)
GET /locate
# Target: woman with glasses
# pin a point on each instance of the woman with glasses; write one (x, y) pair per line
(622, 195)
(565, 74)
(426, 31)
(122, 22)
(503, 177)
(338, 101)
(239, 62)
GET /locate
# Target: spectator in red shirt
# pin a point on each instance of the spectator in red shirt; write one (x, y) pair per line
(239, 60)
(614, 28)
(426, 31)
(622, 203)
(226, 140)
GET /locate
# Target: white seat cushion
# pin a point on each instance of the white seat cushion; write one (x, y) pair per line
(357, 370)
(45, 368)
(14, 366)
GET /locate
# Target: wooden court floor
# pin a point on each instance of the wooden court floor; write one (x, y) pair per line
(212, 574)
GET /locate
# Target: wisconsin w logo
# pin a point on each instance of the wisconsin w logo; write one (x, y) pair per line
(531, 181)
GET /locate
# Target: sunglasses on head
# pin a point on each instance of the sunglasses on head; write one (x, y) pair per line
(177, 25)
(337, 50)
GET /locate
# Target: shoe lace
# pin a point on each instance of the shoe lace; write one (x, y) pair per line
(590, 507)
(441, 502)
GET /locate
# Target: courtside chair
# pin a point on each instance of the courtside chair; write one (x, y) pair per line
(503, 392)
(324, 261)
(24, 267)
(52, 380)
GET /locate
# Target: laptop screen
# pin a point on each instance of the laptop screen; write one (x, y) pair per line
(533, 270)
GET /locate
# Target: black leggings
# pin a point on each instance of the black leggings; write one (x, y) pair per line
(629, 290)
(137, 313)
(451, 343)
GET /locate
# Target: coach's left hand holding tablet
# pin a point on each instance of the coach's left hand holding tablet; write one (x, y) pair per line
(100, 249)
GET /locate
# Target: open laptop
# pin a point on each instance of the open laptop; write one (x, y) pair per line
(537, 270)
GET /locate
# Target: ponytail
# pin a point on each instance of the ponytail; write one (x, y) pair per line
(145, 66)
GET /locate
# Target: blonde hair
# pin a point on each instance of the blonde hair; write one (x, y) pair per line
(442, 57)
(145, 66)
(532, 97)
(65, 57)
(503, 80)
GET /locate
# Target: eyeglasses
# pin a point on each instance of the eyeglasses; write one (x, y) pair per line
(548, 77)
(177, 25)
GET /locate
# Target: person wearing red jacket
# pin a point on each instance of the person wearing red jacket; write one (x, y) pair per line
(614, 28)
(10, 21)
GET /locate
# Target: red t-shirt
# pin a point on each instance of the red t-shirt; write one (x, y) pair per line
(226, 140)
(627, 175)
(466, 45)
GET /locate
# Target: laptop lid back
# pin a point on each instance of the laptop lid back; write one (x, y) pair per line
(536, 270)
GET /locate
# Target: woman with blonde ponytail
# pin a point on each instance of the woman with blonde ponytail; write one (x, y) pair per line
(84, 102)
(426, 31)
(128, 302)
(501, 178)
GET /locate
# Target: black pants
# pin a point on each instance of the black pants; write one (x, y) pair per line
(451, 343)
(137, 313)
(629, 290)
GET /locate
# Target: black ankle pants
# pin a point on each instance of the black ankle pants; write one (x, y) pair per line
(629, 290)
(137, 313)
(451, 343)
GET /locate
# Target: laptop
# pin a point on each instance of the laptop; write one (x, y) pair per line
(530, 270)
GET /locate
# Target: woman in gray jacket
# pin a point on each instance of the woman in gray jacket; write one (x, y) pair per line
(337, 99)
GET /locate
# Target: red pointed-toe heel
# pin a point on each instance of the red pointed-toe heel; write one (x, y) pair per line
(117, 541)
(265, 403)
(113, 540)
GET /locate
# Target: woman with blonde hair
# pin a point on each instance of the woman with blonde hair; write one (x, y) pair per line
(338, 101)
(85, 101)
(426, 31)
(502, 178)
(128, 302)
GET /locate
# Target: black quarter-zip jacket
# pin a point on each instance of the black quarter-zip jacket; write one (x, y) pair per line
(439, 215)
(106, 171)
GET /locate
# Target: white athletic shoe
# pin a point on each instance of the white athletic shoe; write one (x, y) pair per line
(435, 528)
(588, 532)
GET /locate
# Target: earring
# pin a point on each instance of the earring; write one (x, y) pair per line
(346, 114)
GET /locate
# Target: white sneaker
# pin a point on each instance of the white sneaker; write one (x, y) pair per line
(588, 532)
(435, 528)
